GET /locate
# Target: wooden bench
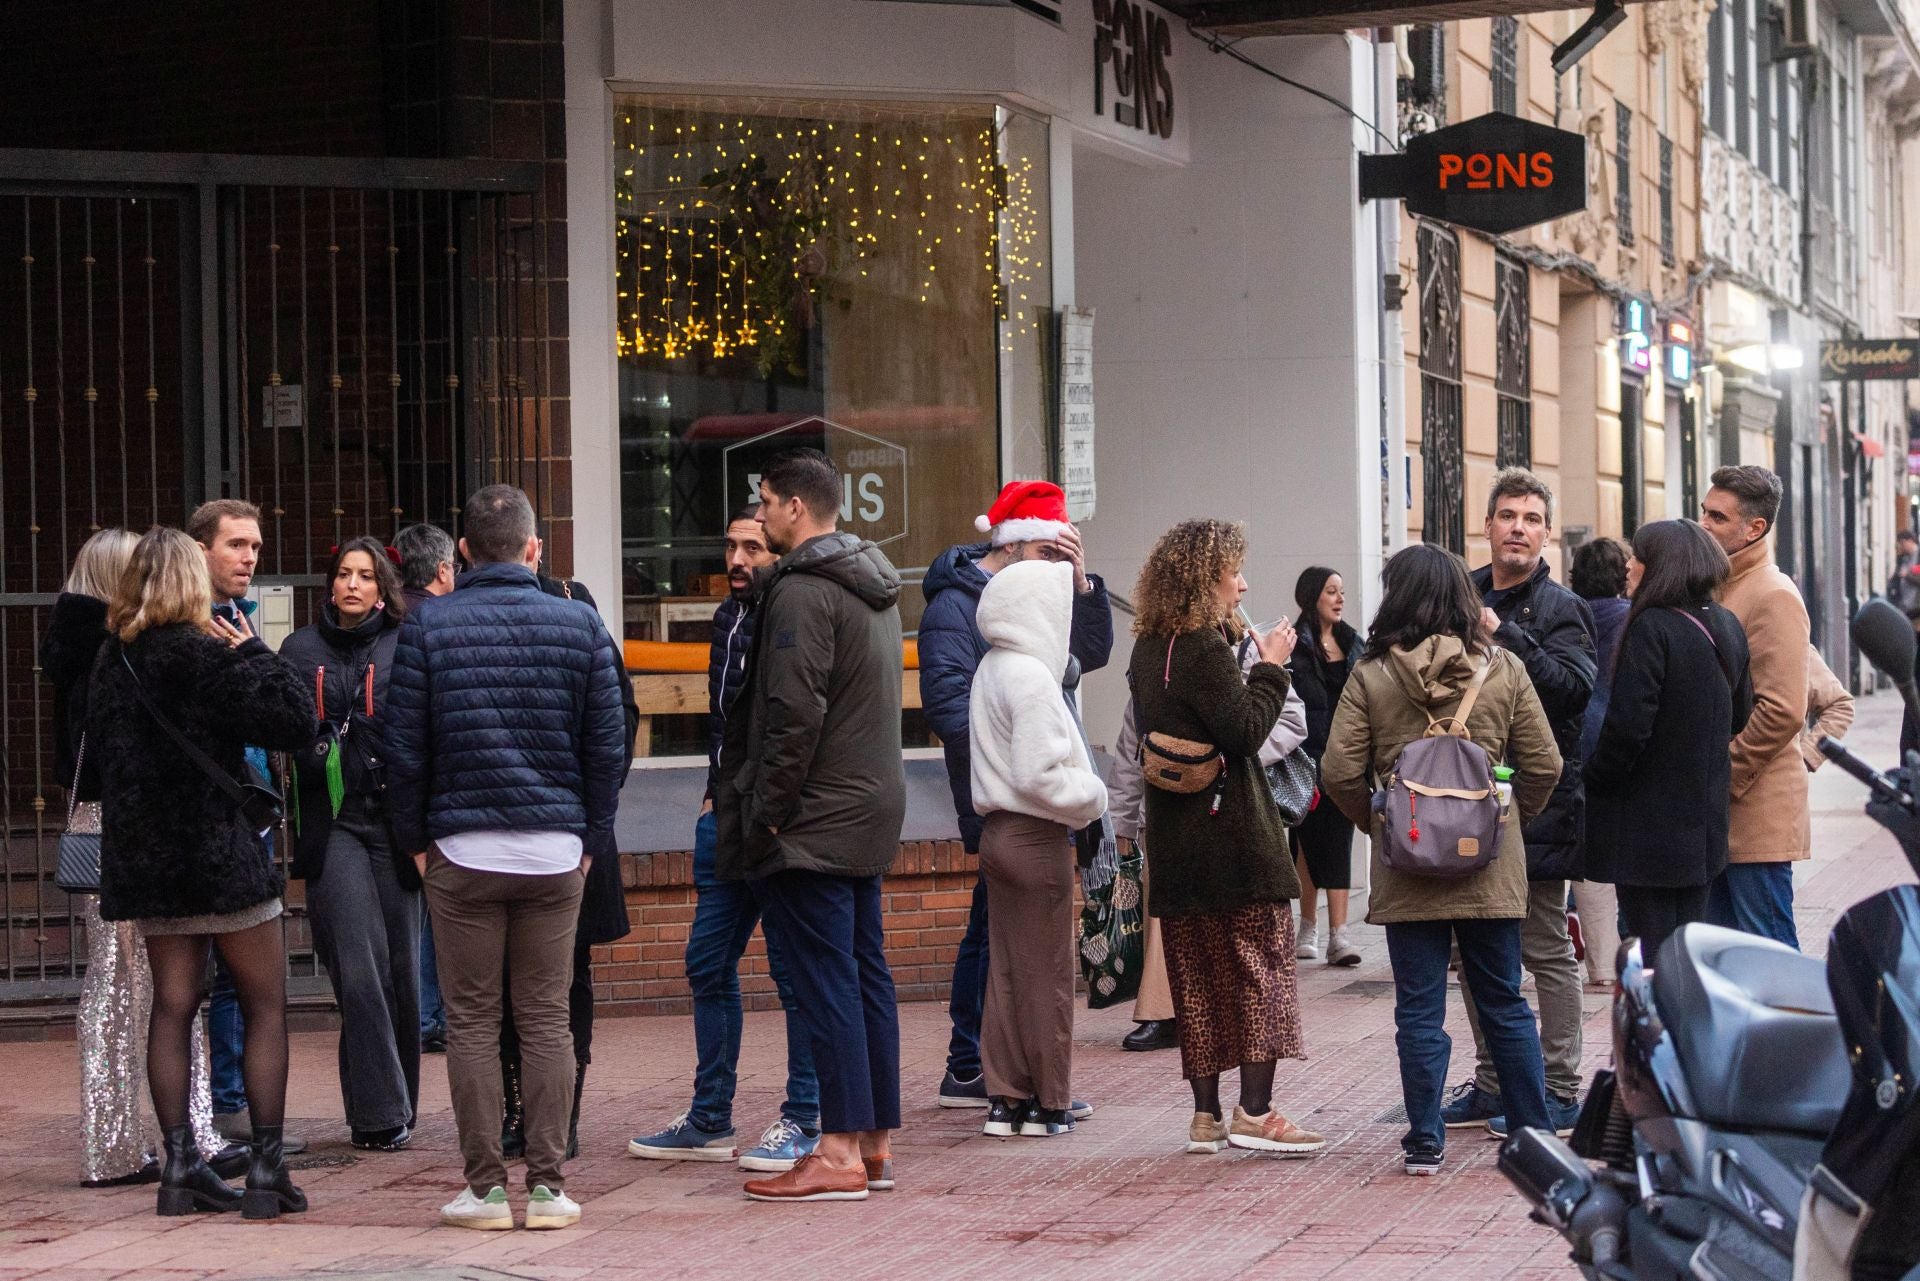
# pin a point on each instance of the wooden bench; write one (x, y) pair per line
(670, 679)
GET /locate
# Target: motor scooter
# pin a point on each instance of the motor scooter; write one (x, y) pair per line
(1762, 1118)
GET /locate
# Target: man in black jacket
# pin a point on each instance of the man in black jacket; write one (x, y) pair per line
(811, 795)
(724, 915)
(507, 752)
(1551, 631)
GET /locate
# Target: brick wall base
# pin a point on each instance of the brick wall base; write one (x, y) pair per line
(925, 899)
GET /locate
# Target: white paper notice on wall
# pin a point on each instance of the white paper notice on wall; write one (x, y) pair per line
(1076, 410)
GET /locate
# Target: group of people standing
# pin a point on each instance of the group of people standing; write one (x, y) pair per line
(465, 748)
(466, 751)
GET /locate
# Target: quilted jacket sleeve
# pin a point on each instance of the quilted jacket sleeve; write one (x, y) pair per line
(604, 742)
(949, 653)
(409, 740)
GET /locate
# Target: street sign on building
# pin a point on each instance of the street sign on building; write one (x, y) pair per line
(1860, 359)
(1493, 173)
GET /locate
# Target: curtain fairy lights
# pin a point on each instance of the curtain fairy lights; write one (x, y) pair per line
(737, 227)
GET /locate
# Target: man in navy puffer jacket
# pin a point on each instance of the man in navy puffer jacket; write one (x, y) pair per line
(1027, 522)
(506, 756)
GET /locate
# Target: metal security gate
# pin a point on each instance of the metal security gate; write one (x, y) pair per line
(353, 345)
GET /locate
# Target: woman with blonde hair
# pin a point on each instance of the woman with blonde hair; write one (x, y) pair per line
(1219, 871)
(175, 697)
(115, 996)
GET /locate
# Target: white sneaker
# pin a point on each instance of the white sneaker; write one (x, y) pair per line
(1340, 951)
(549, 1209)
(489, 1213)
(1309, 943)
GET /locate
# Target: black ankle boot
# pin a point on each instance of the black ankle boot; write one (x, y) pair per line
(188, 1183)
(270, 1189)
(573, 1125)
(513, 1117)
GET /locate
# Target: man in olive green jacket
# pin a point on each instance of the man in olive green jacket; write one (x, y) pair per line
(809, 801)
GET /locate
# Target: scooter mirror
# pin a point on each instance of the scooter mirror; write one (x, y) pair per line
(1885, 636)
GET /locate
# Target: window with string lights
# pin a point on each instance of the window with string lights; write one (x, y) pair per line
(870, 279)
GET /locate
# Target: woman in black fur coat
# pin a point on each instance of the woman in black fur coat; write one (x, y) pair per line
(179, 857)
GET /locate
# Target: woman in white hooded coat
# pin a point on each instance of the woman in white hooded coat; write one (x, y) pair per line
(1034, 785)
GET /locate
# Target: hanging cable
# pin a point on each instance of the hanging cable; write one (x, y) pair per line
(1216, 45)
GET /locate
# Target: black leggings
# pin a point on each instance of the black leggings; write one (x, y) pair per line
(1653, 912)
(256, 957)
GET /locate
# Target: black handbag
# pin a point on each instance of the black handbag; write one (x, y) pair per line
(259, 803)
(76, 867)
(1294, 780)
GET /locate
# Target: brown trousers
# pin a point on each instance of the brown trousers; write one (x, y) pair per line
(1026, 1032)
(484, 923)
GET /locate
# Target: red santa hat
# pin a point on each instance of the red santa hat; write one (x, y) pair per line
(1026, 511)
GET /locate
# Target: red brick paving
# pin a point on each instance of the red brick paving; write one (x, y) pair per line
(1117, 1198)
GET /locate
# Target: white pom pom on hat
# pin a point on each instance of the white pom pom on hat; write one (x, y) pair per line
(982, 524)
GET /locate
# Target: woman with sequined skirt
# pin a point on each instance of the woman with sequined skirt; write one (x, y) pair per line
(117, 1133)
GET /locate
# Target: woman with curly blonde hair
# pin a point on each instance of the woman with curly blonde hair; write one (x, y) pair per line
(1219, 873)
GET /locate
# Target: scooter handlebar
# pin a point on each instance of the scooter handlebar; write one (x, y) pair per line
(1883, 787)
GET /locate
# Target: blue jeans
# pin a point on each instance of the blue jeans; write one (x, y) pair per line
(967, 1000)
(723, 919)
(1490, 965)
(433, 1014)
(226, 1035)
(1757, 898)
(832, 930)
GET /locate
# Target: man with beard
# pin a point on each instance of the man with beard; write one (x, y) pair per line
(810, 798)
(724, 914)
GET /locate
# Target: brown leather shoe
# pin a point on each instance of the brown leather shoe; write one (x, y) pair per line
(1272, 1133)
(879, 1172)
(811, 1179)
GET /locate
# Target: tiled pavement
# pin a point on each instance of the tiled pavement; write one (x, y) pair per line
(1118, 1198)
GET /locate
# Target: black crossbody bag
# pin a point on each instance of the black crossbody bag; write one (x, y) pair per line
(259, 803)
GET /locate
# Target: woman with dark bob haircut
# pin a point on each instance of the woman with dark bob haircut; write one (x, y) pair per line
(1658, 779)
(1426, 648)
(363, 895)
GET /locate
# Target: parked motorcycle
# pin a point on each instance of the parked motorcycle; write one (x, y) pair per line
(1762, 1120)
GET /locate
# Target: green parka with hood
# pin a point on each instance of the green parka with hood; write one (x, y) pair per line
(810, 773)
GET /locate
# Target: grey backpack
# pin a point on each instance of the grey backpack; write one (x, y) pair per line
(1440, 810)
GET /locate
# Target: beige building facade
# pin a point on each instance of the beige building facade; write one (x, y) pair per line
(1575, 339)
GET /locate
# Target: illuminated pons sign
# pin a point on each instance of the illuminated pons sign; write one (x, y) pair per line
(1493, 173)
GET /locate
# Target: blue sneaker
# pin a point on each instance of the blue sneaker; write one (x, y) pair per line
(1564, 1113)
(783, 1144)
(682, 1140)
(1469, 1105)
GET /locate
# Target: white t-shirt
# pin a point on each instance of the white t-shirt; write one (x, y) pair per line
(516, 853)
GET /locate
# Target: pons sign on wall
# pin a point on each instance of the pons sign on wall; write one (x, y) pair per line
(873, 473)
(1493, 173)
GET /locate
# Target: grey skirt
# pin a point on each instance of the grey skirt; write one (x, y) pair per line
(220, 923)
